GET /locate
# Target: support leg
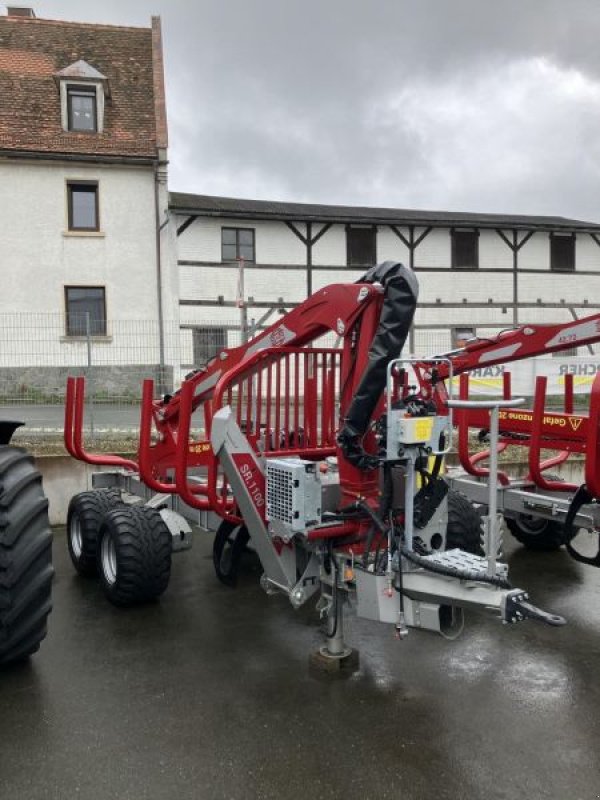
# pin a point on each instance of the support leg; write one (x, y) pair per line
(334, 656)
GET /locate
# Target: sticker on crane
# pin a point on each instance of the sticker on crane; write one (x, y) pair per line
(200, 447)
(277, 338)
(254, 479)
(500, 353)
(575, 333)
(549, 419)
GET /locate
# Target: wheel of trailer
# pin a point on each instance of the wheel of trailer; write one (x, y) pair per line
(464, 525)
(539, 534)
(134, 555)
(84, 517)
(25, 556)
(230, 542)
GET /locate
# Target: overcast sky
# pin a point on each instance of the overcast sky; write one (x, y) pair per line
(472, 105)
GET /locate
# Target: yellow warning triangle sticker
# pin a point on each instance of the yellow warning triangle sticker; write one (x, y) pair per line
(575, 423)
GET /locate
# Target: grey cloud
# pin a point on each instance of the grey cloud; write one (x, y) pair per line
(359, 102)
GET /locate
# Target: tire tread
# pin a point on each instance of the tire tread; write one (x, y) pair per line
(464, 525)
(143, 547)
(91, 507)
(26, 571)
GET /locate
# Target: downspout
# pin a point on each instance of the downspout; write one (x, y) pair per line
(161, 331)
(160, 118)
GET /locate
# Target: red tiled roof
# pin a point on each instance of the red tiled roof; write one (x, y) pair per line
(32, 51)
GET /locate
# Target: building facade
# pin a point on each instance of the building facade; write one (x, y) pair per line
(83, 196)
(103, 268)
(478, 273)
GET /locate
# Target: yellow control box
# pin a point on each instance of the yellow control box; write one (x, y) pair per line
(415, 430)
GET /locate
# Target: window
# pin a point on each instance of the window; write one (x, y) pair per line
(84, 92)
(83, 206)
(361, 246)
(465, 249)
(208, 343)
(460, 336)
(81, 108)
(86, 310)
(562, 251)
(237, 243)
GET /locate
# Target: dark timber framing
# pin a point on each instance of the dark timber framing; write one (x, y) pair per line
(309, 223)
(309, 240)
(515, 246)
(411, 242)
(185, 225)
(338, 267)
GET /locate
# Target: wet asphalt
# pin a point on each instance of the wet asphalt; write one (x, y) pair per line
(207, 694)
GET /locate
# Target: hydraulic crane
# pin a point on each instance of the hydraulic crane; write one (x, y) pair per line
(327, 461)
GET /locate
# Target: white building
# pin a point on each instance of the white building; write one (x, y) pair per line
(101, 268)
(479, 273)
(83, 196)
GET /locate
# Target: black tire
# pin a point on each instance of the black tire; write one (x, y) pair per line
(464, 525)
(25, 556)
(134, 555)
(229, 544)
(539, 534)
(84, 517)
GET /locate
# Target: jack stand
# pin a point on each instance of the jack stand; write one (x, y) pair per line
(334, 658)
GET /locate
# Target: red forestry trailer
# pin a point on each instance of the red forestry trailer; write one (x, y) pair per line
(327, 461)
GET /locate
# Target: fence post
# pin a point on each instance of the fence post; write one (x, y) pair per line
(241, 302)
(90, 377)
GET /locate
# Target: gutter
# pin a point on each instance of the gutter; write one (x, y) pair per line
(159, 227)
(417, 223)
(142, 161)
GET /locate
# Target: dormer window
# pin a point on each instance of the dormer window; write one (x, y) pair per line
(83, 92)
(82, 108)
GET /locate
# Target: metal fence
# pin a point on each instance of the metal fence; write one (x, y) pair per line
(37, 355)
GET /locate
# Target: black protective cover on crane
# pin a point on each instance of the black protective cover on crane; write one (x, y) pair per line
(401, 290)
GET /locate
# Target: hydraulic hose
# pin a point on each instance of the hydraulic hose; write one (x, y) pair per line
(377, 525)
(334, 593)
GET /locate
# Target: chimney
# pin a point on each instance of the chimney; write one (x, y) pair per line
(20, 11)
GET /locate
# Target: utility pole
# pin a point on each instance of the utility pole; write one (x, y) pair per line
(241, 302)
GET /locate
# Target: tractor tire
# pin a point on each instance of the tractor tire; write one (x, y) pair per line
(84, 517)
(134, 555)
(464, 525)
(229, 544)
(542, 535)
(25, 556)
